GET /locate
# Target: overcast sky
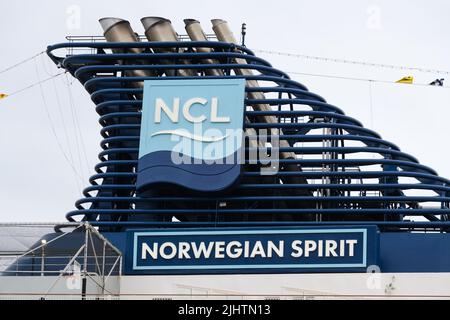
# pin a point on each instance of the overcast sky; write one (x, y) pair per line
(38, 183)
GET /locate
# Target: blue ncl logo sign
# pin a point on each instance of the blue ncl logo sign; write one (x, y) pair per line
(191, 133)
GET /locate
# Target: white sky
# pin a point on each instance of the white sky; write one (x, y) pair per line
(38, 184)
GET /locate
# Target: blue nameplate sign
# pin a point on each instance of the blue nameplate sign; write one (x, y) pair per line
(282, 250)
(191, 133)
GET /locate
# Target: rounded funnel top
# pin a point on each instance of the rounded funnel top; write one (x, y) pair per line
(188, 22)
(216, 22)
(149, 22)
(107, 23)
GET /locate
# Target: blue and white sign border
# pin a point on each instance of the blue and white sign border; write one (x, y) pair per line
(248, 267)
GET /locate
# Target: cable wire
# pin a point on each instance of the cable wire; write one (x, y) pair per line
(363, 63)
(34, 84)
(79, 143)
(22, 62)
(61, 114)
(362, 79)
(53, 129)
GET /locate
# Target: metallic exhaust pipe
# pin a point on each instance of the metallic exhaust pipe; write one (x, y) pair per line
(224, 34)
(160, 29)
(195, 32)
(119, 30)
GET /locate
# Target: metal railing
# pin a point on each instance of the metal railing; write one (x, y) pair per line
(101, 39)
(95, 260)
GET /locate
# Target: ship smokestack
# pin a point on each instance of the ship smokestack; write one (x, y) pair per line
(196, 33)
(160, 29)
(119, 30)
(223, 33)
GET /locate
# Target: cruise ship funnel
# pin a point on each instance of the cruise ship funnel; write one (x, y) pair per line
(161, 30)
(119, 30)
(223, 33)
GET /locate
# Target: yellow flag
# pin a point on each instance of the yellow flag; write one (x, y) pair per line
(408, 79)
(3, 95)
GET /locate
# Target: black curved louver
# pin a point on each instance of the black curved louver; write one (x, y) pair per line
(342, 173)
